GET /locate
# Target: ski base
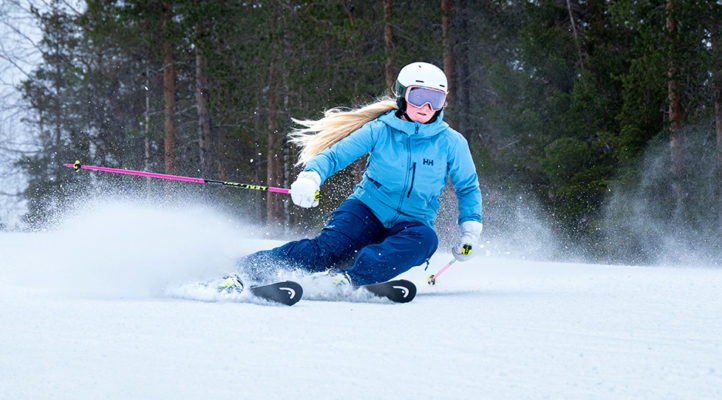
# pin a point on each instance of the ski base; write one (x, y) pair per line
(287, 292)
(398, 291)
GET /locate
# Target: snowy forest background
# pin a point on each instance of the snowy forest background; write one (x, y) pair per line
(596, 126)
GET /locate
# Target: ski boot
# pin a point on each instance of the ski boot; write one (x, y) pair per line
(341, 278)
(230, 283)
(331, 279)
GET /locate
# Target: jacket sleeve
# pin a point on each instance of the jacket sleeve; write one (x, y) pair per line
(463, 176)
(343, 152)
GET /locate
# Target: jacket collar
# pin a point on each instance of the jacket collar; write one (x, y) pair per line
(415, 128)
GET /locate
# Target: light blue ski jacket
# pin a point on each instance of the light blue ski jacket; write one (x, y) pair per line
(407, 169)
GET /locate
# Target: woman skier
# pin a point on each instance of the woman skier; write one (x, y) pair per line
(386, 226)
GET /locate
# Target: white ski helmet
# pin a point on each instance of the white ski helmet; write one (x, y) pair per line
(420, 74)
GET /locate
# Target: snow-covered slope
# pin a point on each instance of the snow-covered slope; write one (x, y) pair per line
(85, 313)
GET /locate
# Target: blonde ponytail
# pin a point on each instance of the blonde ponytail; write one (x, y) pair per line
(336, 124)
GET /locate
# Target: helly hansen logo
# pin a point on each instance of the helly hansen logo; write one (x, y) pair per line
(428, 162)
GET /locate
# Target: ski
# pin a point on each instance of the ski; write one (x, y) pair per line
(398, 291)
(230, 287)
(287, 292)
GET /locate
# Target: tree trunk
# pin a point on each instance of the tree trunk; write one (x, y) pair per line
(715, 33)
(463, 87)
(447, 7)
(675, 109)
(274, 170)
(274, 206)
(168, 95)
(718, 130)
(146, 118)
(389, 46)
(204, 119)
(575, 34)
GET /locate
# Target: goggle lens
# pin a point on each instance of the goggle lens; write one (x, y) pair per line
(418, 96)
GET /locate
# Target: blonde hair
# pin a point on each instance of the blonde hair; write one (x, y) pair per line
(337, 123)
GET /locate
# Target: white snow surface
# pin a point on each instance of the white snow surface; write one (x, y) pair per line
(95, 308)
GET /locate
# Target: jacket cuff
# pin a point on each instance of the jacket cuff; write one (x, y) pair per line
(471, 227)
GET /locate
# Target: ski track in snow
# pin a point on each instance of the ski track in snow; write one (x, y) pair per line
(99, 308)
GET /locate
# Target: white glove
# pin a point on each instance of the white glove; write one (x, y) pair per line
(470, 235)
(304, 191)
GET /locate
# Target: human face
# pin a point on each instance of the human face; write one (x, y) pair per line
(421, 114)
(422, 103)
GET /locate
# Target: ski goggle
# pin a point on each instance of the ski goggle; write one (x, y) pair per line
(419, 95)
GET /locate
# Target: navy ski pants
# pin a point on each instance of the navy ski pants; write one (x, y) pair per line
(353, 240)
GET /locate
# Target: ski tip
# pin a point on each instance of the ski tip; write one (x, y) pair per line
(398, 291)
(406, 291)
(287, 292)
(294, 292)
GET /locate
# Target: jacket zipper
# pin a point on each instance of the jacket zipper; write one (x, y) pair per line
(408, 162)
(413, 176)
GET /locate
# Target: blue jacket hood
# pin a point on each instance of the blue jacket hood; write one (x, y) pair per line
(415, 128)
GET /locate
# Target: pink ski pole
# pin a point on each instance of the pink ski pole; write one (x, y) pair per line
(77, 166)
(431, 280)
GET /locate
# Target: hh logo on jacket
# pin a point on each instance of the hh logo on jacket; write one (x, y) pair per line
(428, 162)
